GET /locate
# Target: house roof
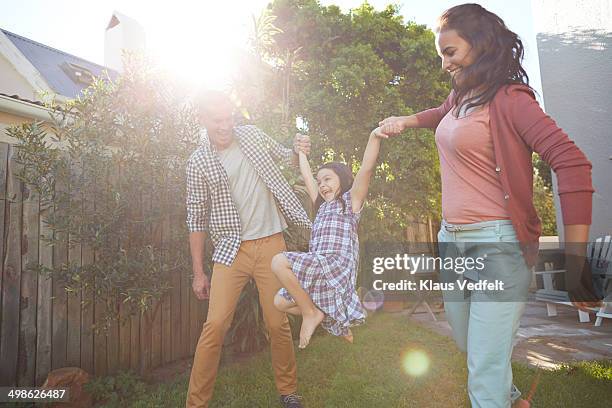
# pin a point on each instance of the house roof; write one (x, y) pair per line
(57, 67)
(18, 98)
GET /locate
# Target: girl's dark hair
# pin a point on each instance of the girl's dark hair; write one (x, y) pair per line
(499, 53)
(345, 175)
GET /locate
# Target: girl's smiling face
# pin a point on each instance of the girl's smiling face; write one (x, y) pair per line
(329, 184)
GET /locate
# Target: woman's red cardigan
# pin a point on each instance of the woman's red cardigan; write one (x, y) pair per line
(519, 127)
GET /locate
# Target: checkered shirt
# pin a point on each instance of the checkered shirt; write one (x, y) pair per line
(328, 272)
(210, 206)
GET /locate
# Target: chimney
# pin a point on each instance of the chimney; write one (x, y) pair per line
(122, 33)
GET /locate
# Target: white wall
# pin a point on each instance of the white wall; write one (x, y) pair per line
(13, 83)
(575, 52)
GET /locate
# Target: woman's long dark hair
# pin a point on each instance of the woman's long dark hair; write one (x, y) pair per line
(499, 53)
(345, 175)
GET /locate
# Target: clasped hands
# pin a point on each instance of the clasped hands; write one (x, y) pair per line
(391, 126)
(301, 143)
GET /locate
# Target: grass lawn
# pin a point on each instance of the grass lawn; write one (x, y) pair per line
(371, 373)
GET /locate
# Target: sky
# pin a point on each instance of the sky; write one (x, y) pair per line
(78, 27)
(184, 36)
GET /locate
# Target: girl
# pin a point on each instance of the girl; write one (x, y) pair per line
(320, 284)
(486, 131)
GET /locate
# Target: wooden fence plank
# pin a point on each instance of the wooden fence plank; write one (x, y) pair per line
(112, 335)
(87, 301)
(100, 361)
(135, 343)
(29, 289)
(87, 318)
(185, 293)
(59, 341)
(74, 303)
(156, 333)
(11, 279)
(155, 234)
(175, 292)
(44, 304)
(145, 342)
(166, 308)
(124, 340)
(166, 330)
(112, 345)
(73, 340)
(4, 150)
(3, 169)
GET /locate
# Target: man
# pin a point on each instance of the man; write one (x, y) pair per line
(237, 194)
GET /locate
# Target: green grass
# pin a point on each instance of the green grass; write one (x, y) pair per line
(369, 374)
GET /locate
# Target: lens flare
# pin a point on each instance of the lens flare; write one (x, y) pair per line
(415, 363)
(373, 299)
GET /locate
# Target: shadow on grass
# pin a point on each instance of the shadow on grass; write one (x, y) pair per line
(373, 373)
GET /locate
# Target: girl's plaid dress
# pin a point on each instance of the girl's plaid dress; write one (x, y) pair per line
(328, 272)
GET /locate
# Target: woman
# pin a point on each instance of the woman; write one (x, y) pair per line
(486, 131)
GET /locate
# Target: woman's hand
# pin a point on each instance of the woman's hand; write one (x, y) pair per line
(379, 134)
(579, 283)
(393, 125)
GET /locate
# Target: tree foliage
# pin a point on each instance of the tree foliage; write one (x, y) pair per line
(109, 168)
(341, 73)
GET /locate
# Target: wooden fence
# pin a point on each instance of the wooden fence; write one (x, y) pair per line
(43, 328)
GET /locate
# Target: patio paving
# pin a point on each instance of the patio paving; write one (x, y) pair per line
(544, 341)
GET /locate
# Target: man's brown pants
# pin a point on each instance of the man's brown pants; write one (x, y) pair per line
(253, 261)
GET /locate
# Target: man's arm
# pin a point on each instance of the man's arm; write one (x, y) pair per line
(198, 211)
(200, 284)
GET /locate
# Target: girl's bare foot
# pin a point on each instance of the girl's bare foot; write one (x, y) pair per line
(310, 322)
(349, 337)
(521, 403)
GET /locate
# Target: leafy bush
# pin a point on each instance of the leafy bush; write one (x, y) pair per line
(110, 171)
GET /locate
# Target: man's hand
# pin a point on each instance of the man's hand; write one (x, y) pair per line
(392, 126)
(201, 286)
(301, 143)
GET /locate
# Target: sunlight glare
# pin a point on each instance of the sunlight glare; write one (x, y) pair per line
(199, 42)
(415, 363)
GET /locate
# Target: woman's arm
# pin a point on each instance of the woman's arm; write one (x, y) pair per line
(574, 186)
(543, 136)
(311, 184)
(578, 276)
(429, 118)
(359, 190)
(394, 125)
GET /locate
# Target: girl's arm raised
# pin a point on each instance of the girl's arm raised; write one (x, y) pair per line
(311, 184)
(361, 183)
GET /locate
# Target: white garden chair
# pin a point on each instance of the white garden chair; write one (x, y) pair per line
(599, 254)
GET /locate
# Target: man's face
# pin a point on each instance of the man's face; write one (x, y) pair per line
(219, 123)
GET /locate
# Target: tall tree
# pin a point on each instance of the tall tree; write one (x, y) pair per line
(341, 73)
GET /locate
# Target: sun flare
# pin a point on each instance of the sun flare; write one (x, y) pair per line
(200, 47)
